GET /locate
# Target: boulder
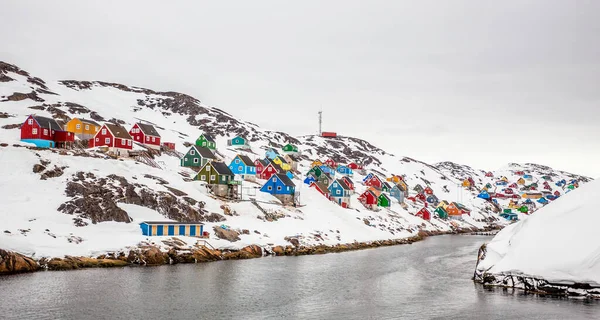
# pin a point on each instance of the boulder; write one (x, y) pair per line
(37, 168)
(227, 234)
(12, 262)
(278, 251)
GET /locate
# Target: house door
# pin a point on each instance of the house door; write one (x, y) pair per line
(340, 201)
(153, 232)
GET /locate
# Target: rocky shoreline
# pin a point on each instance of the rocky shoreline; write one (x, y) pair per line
(148, 255)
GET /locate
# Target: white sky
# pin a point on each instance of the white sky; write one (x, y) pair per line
(473, 81)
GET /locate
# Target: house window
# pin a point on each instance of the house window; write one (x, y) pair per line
(204, 144)
(107, 140)
(192, 152)
(337, 192)
(30, 121)
(195, 160)
(240, 168)
(87, 127)
(335, 184)
(129, 142)
(147, 138)
(97, 139)
(278, 188)
(203, 178)
(237, 161)
(123, 142)
(274, 179)
(288, 188)
(153, 139)
(34, 130)
(78, 126)
(45, 132)
(269, 188)
(103, 131)
(270, 169)
(212, 177)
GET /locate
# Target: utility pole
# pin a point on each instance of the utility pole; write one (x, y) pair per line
(320, 121)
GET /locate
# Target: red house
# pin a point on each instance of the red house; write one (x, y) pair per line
(428, 191)
(424, 213)
(349, 182)
(260, 165)
(269, 170)
(374, 181)
(320, 187)
(114, 137)
(45, 132)
(489, 174)
(557, 193)
(368, 198)
(145, 134)
(169, 145)
(513, 185)
(331, 163)
(328, 134)
(421, 197)
(508, 191)
(354, 166)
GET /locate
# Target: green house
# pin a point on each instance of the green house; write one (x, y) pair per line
(197, 157)
(571, 187)
(206, 141)
(507, 211)
(316, 171)
(441, 213)
(238, 142)
(325, 179)
(386, 187)
(290, 148)
(523, 209)
(383, 200)
(215, 173)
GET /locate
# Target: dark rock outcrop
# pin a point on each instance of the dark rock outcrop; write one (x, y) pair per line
(12, 262)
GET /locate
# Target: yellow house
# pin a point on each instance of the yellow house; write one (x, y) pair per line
(84, 129)
(394, 178)
(505, 179)
(402, 185)
(282, 163)
(316, 163)
(521, 181)
(443, 204)
(513, 205)
(532, 195)
(466, 183)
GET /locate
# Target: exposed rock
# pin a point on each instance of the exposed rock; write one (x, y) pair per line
(37, 168)
(12, 126)
(71, 263)
(227, 234)
(249, 252)
(56, 172)
(12, 262)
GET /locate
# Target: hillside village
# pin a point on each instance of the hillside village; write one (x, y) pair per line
(94, 167)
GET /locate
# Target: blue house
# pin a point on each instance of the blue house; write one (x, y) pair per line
(344, 170)
(542, 201)
(528, 201)
(369, 176)
(397, 193)
(501, 183)
(172, 228)
(289, 174)
(561, 183)
(527, 176)
(310, 179)
(238, 141)
(280, 186)
(327, 169)
(483, 195)
(271, 153)
(432, 199)
(244, 166)
(340, 192)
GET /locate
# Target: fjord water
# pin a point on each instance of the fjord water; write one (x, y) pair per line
(425, 280)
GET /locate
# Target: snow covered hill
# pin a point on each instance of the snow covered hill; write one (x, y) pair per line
(558, 244)
(81, 202)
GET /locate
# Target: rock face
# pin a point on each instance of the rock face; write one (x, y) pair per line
(230, 235)
(12, 262)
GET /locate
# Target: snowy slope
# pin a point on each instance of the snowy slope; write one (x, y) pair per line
(560, 243)
(35, 221)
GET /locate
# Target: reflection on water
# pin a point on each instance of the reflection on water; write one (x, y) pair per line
(426, 280)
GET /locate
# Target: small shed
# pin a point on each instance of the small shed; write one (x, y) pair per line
(172, 228)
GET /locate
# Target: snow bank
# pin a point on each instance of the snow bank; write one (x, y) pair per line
(559, 243)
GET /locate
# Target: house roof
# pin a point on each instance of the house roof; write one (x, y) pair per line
(118, 131)
(320, 185)
(286, 181)
(387, 185)
(343, 184)
(89, 121)
(148, 129)
(348, 180)
(293, 157)
(47, 123)
(264, 162)
(221, 168)
(275, 165)
(282, 159)
(207, 137)
(205, 152)
(246, 160)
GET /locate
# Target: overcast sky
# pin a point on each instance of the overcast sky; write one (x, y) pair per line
(473, 81)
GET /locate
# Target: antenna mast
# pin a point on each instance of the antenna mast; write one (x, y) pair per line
(320, 121)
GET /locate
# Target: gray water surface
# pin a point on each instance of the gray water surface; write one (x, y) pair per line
(425, 280)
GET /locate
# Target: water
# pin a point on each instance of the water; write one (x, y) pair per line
(426, 280)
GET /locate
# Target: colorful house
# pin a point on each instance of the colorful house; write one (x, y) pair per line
(280, 186)
(349, 183)
(433, 200)
(45, 133)
(513, 185)
(501, 183)
(316, 171)
(441, 212)
(453, 210)
(397, 193)
(145, 134)
(542, 200)
(325, 179)
(331, 163)
(197, 157)
(395, 179)
(310, 179)
(367, 177)
(428, 190)
(532, 195)
(528, 177)
(489, 174)
(466, 183)
(344, 170)
(271, 153)
(547, 178)
(238, 142)
(386, 187)
(206, 141)
(260, 165)
(374, 181)
(216, 173)
(424, 213)
(113, 137)
(523, 209)
(340, 193)
(462, 208)
(282, 163)
(418, 189)
(443, 204)
(355, 166)
(403, 186)
(271, 169)
(292, 160)
(172, 228)
(316, 163)
(327, 169)
(505, 179)
(320, 187)
(84, 129)
(368, 198)
(290, 148)
(242, 165)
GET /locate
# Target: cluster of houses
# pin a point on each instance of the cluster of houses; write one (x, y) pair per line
(523, 193)
(332, 180)
(113, 138)
(225, 180)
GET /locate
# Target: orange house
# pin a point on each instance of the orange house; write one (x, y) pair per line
(84, 129)
(395, 179)
(453, 210)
